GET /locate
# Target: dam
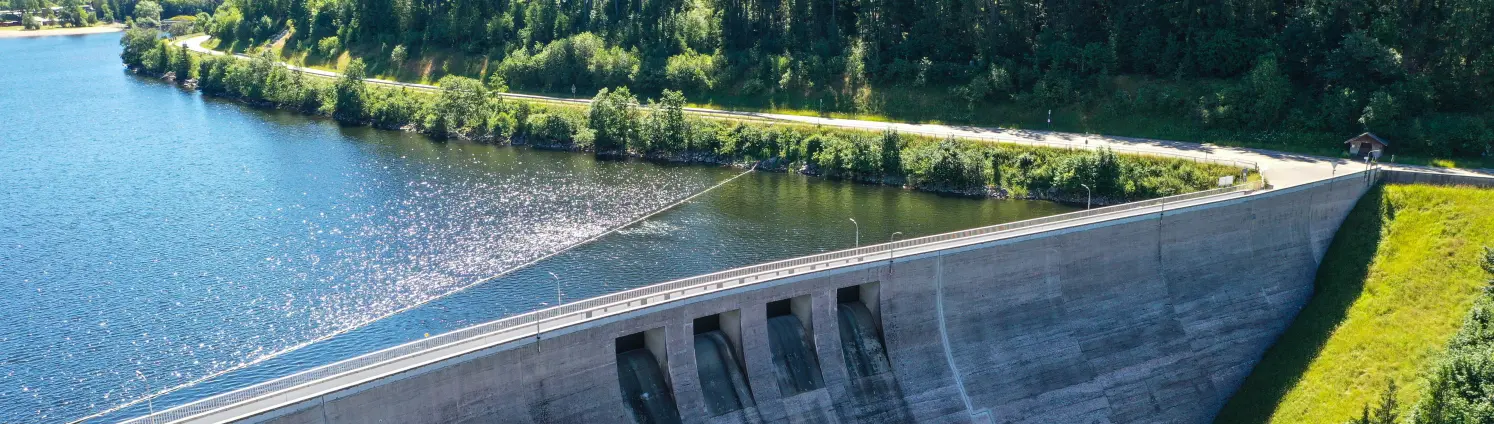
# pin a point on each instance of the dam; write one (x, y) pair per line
(1153, 311)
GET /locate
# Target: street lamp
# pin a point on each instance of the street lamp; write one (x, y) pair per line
(557, 287)
(858, 231)
(1088, 195)
(890, 245)
(892, 249)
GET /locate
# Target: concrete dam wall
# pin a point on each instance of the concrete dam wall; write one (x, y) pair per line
(1150, 317)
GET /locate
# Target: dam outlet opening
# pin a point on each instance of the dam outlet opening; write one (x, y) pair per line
(861, 330)
(790, 326)
(718, 362)
(641, 365)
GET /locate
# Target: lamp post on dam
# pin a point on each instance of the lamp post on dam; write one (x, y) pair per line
(858, 231)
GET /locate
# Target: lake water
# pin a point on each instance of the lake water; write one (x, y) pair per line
(154, 239)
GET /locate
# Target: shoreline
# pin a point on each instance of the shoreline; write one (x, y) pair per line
(964, 165)
(101, 29)
(773, 165)
(696, 158)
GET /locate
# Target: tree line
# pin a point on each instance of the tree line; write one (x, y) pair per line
(110, 10)
(618, 123)
(66, 13)
(1417, 72)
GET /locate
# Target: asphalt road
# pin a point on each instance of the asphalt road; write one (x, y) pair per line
(1281, 169)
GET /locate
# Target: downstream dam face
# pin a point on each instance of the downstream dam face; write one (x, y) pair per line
(1151, 316)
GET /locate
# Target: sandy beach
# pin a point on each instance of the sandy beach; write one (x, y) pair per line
(62, 31)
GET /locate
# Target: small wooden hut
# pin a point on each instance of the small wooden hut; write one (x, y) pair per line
(1367, 145)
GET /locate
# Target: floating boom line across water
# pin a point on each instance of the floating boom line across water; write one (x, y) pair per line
(348, 329)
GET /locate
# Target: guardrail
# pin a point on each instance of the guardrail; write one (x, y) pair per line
(534, 324)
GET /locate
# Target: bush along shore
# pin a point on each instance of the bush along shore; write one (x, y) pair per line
(617, 123)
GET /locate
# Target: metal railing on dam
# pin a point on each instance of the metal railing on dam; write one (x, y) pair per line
(284, 391)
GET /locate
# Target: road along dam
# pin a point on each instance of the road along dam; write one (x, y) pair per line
(1148, 312)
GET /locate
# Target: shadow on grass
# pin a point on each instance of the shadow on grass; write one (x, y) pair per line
(1339, 282)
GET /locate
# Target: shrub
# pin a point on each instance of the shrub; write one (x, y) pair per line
(136, 43)
(398, 56)
(851, 157)
(226, 21)
(614, 117)
(147, 13)
(1100, 170)
(666, 128)
(461, 107)
(690, 71)
(583, 61)
(944, 165)
(352, 95)
(501, 126)
(396, 109)
(327, 47)
(551, 129)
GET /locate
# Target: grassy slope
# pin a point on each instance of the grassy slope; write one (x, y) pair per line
(1393, 288)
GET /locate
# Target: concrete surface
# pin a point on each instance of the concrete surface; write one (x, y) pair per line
(1152, 317)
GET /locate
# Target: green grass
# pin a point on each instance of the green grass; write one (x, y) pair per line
(1393, 288)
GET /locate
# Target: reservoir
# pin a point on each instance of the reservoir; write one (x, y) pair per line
(155, 240)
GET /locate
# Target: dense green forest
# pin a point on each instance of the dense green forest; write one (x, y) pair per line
(619, 123)
(1312, 73)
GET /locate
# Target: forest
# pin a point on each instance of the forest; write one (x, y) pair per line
(1303, 74)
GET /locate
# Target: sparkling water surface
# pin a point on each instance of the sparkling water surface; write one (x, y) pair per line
(152, 238)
